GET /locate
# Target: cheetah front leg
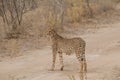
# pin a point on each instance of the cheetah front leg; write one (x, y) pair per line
(61, 61)
(54, 59)
(85, 65)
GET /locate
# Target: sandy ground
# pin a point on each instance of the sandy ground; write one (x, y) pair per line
(103, 58)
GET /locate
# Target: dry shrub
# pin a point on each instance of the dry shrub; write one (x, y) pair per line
(107, 5)
(74, 14)
(78, 10)
(75, 11)
(13, 46)
(52, 20)
(34, 23)
(101, 6)
(9, 47)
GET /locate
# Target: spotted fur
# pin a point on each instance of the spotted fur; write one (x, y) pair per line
(62, 45)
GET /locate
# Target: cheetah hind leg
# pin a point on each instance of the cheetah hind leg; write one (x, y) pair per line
(85, 69)
(85, 66)
(52, 68)
(62, 68)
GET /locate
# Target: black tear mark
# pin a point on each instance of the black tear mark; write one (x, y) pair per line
(82, 59)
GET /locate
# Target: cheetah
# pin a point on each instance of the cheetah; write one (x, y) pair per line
(62, 45)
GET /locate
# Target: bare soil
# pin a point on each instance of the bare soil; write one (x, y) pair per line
(103, 58)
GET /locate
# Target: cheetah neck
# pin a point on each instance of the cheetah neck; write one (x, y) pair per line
(56, 37)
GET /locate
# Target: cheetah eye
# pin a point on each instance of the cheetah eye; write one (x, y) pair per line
(49, 33)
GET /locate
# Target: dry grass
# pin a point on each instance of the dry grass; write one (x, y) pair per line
(116, 74)
(71, 77)
(113, 75)
(36, 22)
(13, 77)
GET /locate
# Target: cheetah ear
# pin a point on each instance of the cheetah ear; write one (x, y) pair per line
(50, 29)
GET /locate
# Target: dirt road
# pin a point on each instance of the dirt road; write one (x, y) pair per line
(103, 57)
